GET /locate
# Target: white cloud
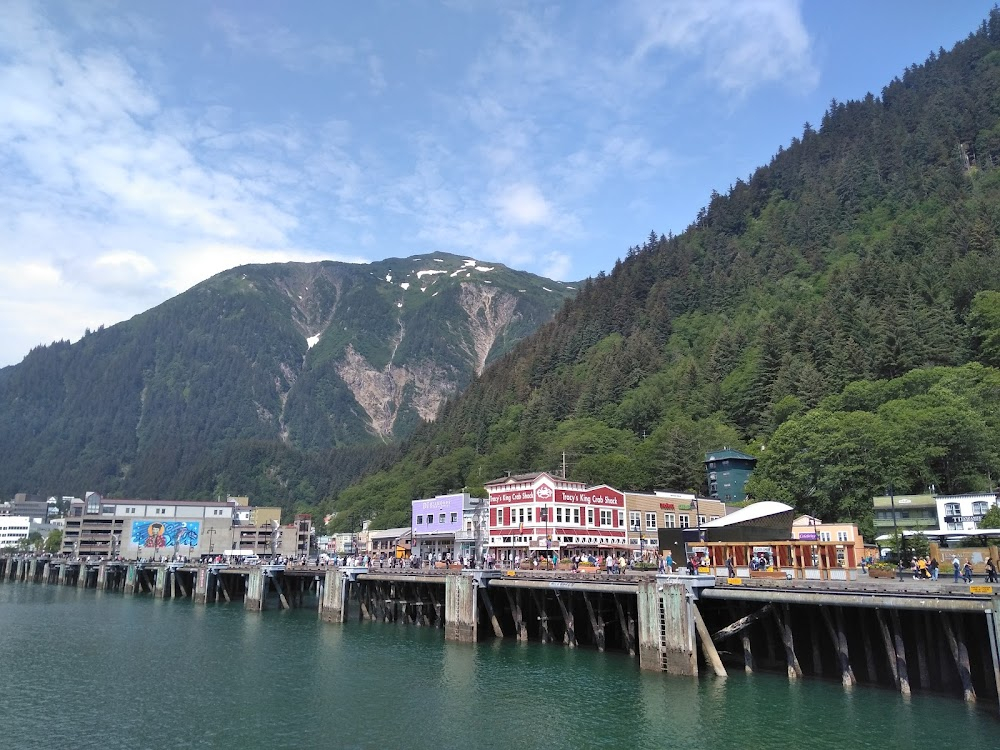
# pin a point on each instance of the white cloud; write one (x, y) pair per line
(111, 201)
(740, 46)
(523, 204)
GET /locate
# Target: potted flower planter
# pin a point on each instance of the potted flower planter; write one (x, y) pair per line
(881, 573)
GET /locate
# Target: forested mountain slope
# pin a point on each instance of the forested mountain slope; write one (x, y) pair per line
(856, 255)
(246, 382)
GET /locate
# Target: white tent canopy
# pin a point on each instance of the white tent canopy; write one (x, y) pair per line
(751, 512)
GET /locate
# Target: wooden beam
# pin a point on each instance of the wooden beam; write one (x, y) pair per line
(889, 649)
(707, 645)
(961, 657)
(869, 653)
(741, 624)
(543, 619)
(839, 640)
(569, 637)
(922, 671)
(281, 593)
(629, 644)
(785, 629)
(904, 675)
(484, 594)
(598, 628)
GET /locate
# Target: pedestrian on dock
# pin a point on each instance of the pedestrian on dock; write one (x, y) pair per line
(991, 571)
(731, 566)
(934, 568)
(957, 566)
(967, 572)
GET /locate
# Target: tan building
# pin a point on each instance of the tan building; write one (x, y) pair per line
(647, 513)
(147, 529)
(810, 528)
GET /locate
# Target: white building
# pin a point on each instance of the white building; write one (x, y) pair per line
(963, 512)
(13, 529)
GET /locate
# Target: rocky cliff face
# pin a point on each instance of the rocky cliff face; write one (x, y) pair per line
(309, 355)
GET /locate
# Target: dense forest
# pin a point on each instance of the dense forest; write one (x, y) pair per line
(254, 381)
(824, 314)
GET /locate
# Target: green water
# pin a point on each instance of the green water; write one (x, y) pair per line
(89, 669)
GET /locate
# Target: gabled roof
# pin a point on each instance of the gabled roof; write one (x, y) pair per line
(518, 478)
(752, 512)
(727, 453)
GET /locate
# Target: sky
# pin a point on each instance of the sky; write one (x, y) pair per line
(146, 146)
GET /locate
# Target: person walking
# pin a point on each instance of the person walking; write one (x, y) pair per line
(957, 566)
(731, 566)
(934, 569)
(991, 571)
(967, 572)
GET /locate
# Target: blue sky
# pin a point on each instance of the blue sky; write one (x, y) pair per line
(147, 146)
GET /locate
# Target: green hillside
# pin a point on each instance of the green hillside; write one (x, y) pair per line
(861, 262)
(283, 382)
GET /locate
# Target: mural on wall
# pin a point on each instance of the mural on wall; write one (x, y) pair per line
(165, 533)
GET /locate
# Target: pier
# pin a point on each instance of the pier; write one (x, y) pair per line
(917, 636)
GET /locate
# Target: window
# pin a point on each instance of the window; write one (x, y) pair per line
(701, 520)
(824, 536)
(454, 517)
(685, 521)
(590, 516)
(669, 521)
(576, 516)
(605, 517)
(420, 520)
(955, 526)
(633, 520)
(650, 521)
(530, 512)
(621, 519)
(952, 509)
(979, 508)
(841, 536)
(440, 517)
(558, 515)
(714, 518)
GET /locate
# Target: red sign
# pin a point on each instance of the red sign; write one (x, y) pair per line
(668, 506)
(600, 496)
(518, 496)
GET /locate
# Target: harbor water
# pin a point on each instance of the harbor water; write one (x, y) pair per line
(93, 669)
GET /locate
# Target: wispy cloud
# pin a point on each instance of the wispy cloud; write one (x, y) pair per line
(112, 201)
(738, 46)
(258, 35)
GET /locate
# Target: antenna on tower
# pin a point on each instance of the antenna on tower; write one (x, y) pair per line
(564, 464)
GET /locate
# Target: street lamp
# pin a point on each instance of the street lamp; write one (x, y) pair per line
(895, 527)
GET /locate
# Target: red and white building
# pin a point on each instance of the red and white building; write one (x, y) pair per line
(539, 514)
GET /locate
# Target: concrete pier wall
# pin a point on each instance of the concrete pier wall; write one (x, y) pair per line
(460, 609)
(333, 604)
(256, 583)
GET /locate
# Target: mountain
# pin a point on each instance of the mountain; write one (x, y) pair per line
(283, 360)
(864, 254)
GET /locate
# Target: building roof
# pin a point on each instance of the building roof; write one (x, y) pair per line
(752, 512)
(727, 453)
(518, 478)
(389, 533)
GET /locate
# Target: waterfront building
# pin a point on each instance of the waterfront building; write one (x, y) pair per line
(540, 514)
(389, 542)
(439, 526)
(963, 512)
(648, 513)
(727, 472)
(33, 506)
(160, 529)
(912, 513)
(809, 528)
